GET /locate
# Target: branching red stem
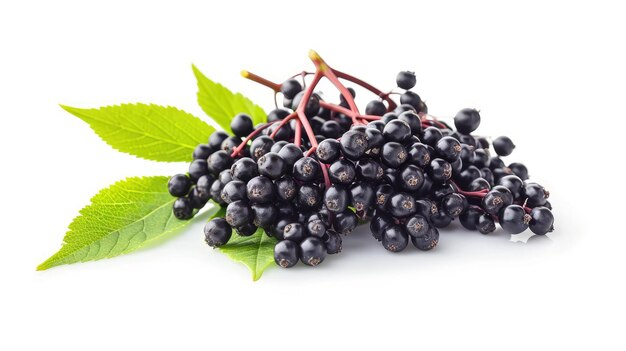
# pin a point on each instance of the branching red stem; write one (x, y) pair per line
(367, 86)
(243, 144)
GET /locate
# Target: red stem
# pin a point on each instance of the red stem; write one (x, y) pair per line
(367, 86)
(261, 80)
(282, 123)
(345, 111)
(243, 144)
(479, 194)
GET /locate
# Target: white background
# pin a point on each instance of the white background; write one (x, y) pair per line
(550, 75)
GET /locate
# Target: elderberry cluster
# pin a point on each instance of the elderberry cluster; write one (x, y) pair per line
(406, 172)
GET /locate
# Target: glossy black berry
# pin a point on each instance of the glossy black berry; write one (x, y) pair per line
(260, 146)
(246, 230)
(271, 165)
(431, 136)
(469, 217)
(441, 219)
(204, 184)
(328, 151)
(306, 169)
(202, 151)
(217, 232)
(197, 168)
(440, 171)
(427, 241)
(263, 215)
(448, 148)
(353, 144)
(260, 189)
(401, 205)
(514, 219)
(290, 154)
(485, 224)
(182, 208)
(406, 80)
(315, 227)
(375, 141)
(375, 108)
(495, 163)
(419, 155)
(362, 196)
(294, 232)
(336, 198)
(380, 222)
(426, 208)
(219, 161)
(542, 220)
(454, 204)
(244, 169)
(496, 199)
(394, 154)
(331, 129)
(229, 144)
(286, 189)
(179, 185)
(290, 88)
(395, 238)
(519, 170)
(277, 115)
(309, 197)
(413, 120)
(238, 213)
(369, 170)
(311, 107)
(410, 178)
(345, 222)
(198, 198)
(342, 172)
(388, 117)
(467, 120)
(417, 225)
(225, 176)
(312, 251)
(397, 131)
(242, 125)
(286, 253)
(503, 145)
(234, 191)
(481, 158)
(535, 194)
(412, 99)
(278, 228)
(278, 145)
(216, 139)
(333, 242)
(383, 194)
(216, 192)
(514, 184)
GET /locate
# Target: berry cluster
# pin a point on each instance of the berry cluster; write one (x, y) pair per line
(316, 170)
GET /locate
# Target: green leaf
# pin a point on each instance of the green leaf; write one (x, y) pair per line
(121, 218)
(222, 105)
(255, 251)
(152, 132)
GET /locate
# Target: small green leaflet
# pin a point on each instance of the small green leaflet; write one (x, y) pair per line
(255, 251)
(222, 105)
(120, 219)
(152, 132)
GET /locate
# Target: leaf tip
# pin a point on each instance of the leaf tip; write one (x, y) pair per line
(43, 266)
